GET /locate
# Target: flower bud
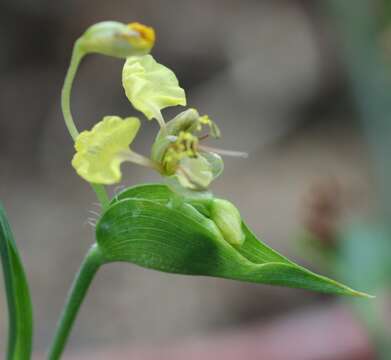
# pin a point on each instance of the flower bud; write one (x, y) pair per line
(227, 218)
(115, 39)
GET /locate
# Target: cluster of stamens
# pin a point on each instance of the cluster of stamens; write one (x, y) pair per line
(185, 145)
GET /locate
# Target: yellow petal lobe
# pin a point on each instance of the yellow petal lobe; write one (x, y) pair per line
(150, 86)
(100, 151)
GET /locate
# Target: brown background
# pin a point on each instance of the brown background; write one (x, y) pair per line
(267, 71)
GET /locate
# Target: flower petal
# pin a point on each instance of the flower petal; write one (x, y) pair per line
(194, 173)
(99, 152)
(215, 161)
(150, 86)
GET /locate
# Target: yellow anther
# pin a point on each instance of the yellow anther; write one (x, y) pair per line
(185, 145)
(147, 33)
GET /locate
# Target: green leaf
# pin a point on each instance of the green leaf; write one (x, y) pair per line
(144, 225)
(18, 295)
(150, 86)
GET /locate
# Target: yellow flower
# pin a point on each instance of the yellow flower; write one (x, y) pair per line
(101, 151)
(116, 39)
(177, 148)
(151, 87)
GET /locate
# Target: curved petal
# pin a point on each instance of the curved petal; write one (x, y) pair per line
(194, 173)
(100, 151)
(150, 86)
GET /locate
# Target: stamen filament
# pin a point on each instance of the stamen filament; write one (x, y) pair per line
(224, 152)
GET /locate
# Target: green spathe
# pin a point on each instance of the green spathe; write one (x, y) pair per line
(147, 226)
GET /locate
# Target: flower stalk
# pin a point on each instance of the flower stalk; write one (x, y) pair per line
(76, 58)
(91, 264)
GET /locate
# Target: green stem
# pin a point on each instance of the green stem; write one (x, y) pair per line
(101, 194)
(77, 56)
(76, 295)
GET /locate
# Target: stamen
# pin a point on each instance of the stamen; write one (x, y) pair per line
(224, 152)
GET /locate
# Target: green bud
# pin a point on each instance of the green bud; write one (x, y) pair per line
(116, 39)
(227, 218)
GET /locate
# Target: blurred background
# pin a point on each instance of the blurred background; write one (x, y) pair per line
(300, 85)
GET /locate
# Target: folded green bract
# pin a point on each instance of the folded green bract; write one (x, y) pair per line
(148, 226)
